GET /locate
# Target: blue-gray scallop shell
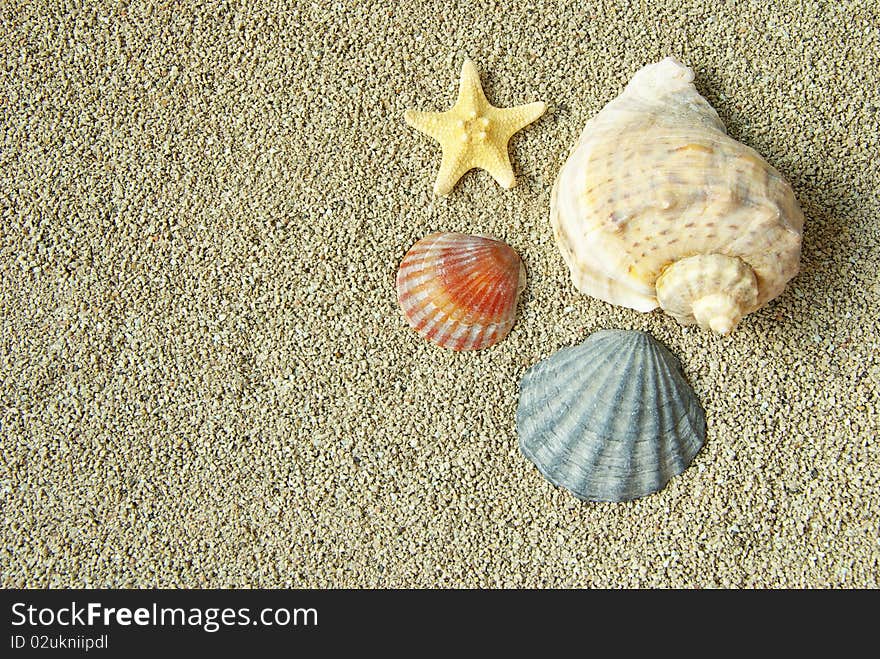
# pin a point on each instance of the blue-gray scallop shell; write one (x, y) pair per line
(611, 419)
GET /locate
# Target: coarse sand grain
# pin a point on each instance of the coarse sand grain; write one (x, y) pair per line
(206, 380)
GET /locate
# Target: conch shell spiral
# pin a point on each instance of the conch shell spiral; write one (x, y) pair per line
(658, 206)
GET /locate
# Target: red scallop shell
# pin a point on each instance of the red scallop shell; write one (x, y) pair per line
(460, 291)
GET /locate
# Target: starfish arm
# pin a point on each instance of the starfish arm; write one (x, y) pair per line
(452, 167)
(433, 124)
(496, 161)
(515, 119)
(471, 97)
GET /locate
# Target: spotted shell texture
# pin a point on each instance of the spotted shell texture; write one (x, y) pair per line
(653, 179)
(460, 291)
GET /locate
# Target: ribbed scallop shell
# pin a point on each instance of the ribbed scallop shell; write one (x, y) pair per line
(611, 419)
(654, 178)
(460, 291)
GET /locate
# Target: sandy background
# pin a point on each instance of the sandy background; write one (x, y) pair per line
(206, 380)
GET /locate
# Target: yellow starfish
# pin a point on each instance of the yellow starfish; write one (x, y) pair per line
(473, 133)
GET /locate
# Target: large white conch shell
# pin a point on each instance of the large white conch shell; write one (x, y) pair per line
(657, 206)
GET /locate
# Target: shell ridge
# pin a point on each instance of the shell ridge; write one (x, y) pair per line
(536, 385)
(663, 396)
(559, 394)
(562, 359)
(495, 293)
(681, 396)
(668, 437)
(682, 439)
(601, 481)
(676, 434)
(623, 468)
(558, 363)
(460, 291)
(648, 448)
(548, 431)
(696, 424)
(472, 290)
(489, 284)
(561, 415)
(598, 460)
(618, 431)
